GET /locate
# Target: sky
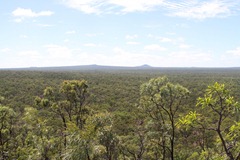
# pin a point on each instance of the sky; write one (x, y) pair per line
(160, 33)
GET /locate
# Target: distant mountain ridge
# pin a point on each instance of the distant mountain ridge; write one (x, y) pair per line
(95, 67)
(82, 67)
(145, 66)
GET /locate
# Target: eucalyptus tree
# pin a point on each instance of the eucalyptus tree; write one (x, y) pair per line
(85, 133)
(68, 104)
(75, 92)
(96, 141)
(162, 100)
(133, 145)
(219, 118)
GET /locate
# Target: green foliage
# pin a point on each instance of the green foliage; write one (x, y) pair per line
(7, 116)
(54, 115)
(218, 99)
(75, 91)
(222, 106)
(76, 94)
(95, 141)
(189, 120)
(161, 100)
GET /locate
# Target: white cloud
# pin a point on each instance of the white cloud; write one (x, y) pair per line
(196, 9)
(192, 59)
(174, 41)
(71, 32)
(58, 52)
(133, 43)
(86, 6)
(129, 37)
(161, 39)
(24, 58)
(93, 34)
(31, 54)
(92, 45)
(18, 20)
(99, 6)
(154, 47)
(184, 46)
(66, 40)
(119, 50)
(235, 52)
(230, 58)
(57, 55)
(45, 25)
(137, 5)
(191, 56)
(182, 25)
(152, 26)
(23, 36)
(121, 57)
(201, 9)
(164, 39)
(4, 50)
(22, 13)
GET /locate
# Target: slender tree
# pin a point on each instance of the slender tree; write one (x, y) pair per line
(221, 107)
(76, 93)
(161, 100)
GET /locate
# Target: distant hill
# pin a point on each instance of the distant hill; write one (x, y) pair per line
(82, 68)
(145, 66)
(95, 67)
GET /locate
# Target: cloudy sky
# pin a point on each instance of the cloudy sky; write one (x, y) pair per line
(163, 33)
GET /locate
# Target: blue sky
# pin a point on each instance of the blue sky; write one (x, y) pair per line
(162, 33)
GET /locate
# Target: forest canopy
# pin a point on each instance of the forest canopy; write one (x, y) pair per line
(126, 114)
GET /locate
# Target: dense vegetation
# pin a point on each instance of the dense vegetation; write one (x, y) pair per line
(120, 114)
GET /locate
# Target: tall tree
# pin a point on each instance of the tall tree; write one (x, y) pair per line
(221, 108)
(68, 104)
(76, 93)
(161, 100)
